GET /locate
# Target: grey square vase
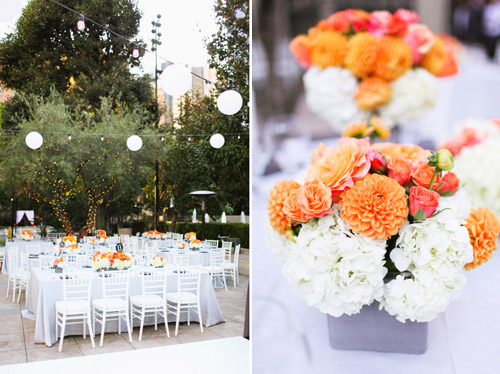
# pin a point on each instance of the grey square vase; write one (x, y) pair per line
(376, 330)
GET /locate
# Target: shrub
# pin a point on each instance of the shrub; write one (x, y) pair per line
(215, 229)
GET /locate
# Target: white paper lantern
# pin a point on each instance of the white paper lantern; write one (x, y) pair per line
(176, 80)
(34, 140)
(229, 102)
(134, 143)
(10, 9)
(217, 141)
(136, 53)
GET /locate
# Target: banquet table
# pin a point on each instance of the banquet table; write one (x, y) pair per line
(46, 288)
(21, 245)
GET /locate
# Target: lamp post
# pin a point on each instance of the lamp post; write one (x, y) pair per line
(156, 42)
(203, 196)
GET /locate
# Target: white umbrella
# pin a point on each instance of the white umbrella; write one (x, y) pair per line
(223, 218)
(242, 219)
(194, 220)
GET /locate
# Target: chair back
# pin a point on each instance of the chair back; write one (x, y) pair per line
(180, 257)
(12, 253)
(33, 249)
(188, 279)
(216, 257)
(77, 285)
(154, 282)
(115, 283)
(227, 246)
(212, 243)
(25, 261)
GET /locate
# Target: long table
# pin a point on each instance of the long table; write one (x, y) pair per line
(21, 245)
(46, 287)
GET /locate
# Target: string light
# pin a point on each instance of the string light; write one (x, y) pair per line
(102, 138)
(69, 136)
(80, 24)
(162, 138)
(135, 52)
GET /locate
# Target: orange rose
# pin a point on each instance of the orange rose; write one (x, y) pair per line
(300, 46)
(315, 199)
(421, 175)
(449, 183)
(318, 153)
(410, 151)
(422, 198)
(400, 169)
(291, 207)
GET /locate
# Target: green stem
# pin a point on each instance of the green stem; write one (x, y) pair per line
(436, 171)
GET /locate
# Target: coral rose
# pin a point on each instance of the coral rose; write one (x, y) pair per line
(318, 153)
(397, 25)
(343, 20)
(315, 199)
(394, 58)
(343, 164)
(483, 229)
(435, 60)
(425, 199)
(279, 193)
(378, 23)
(375, 206)
(466, 138)
(329, 49)
(379, 165)
(420, 39)
(422, 173)
(291, 207)
(449, 184)
(408, 16)
(410, 151)
(362, 53)
(399, 169)
(300, 46)
(372, 93)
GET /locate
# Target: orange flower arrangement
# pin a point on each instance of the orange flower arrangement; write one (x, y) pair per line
(372, 93)
(421, 175)
(394, 58)
(376, 206)
(315, 199)
(361, 55)
(484, 228)
(329, 49)
(435, 60)
(411, 152)
(101, 232)
(291, 207)
(277, 217)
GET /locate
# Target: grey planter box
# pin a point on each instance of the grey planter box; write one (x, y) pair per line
(376, 330)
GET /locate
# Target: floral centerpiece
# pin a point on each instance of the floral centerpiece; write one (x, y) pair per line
(57, 250)
(101, 233)
(69, 239)
(158, 261)
(381, 222)
(58, 262)
(163, 235)
(153, 234)
(360, 63)
(190, 236)
(91, 239)
(475, 142)
(72, 249)
(103, 239)
(26, 235)
(196, 243)
(111, 260)
(181, 244)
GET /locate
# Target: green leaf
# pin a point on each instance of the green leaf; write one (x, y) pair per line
(419, 215)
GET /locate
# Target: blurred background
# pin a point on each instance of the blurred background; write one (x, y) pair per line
(289, 336)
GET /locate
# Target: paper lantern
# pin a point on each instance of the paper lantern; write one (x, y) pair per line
(217, 141)
(134, 143)
(34, 140)
(229, 102)
(10, 9)
(136, 53)
(176, 80)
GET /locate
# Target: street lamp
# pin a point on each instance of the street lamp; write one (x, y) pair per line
(203, 196)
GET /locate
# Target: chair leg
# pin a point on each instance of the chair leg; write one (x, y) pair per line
(63, 327)
(103, 326)
(84, 332)
(91, 333)
(143, 317)
(14, 286)
(8, 286)
(129, 325)
(20, 289)
(156, 320)
(224, 279)
(177, 319)
(119, 326)
(165, 317)
(189, 317)
(199, 317)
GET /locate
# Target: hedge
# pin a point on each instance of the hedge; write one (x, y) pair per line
(215, 229)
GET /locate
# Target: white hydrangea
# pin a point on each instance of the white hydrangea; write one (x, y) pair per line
(333, 269)
(457, 205)
(481, 125)
(278, 244)
(483, 185)
(330, 94)
(412, 94)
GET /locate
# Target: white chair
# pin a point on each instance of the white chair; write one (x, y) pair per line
(187, 296)
(12, 267)
(216, 267)
(23, 274)
(152, 300)
(114, 303)
(180, 257)
(2, 256)
(75, 306)
(231, 268)
(212, 243)
(227, 247)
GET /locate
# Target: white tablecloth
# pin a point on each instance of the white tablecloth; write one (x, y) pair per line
(21, 245)
(46, 288)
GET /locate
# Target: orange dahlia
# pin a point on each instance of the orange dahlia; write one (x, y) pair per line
(372, 93)
(329, 49)
(376, 206)
(434, 61)
(362, 53)
(277, 217)
(411, 152)
(483, 229)
(394, 58)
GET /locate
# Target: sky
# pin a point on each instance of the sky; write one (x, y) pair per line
(184, 24)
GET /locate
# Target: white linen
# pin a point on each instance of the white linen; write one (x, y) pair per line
(45, 246)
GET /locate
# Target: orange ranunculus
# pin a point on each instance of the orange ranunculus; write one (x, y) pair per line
(362, 53)
(379, 164)
(329, 49)
(379, 127)
(394, 58)
(410, 151)
(421, 175)
(291, 207)
(300, 46)
(375, 206)
(425, 199)
(449, 183)
(483, 229)
(372, 93)
(356, 130)
(435, 60)
(315, 199)
(400, 169)
(278, 219)
(341, 166)
(318, 153)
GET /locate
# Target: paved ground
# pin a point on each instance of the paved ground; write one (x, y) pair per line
(17, 333)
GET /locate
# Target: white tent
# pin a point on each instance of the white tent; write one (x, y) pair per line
(30, 215)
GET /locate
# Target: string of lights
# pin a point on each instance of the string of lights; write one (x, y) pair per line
(70, 135)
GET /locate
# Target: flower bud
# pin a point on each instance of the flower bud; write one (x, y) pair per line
(444, 159)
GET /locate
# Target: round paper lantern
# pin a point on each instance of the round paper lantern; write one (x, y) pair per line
(229, 102)
(176, 80)
(10, 9)
(34, 140)
(217, 141)
(136, 53)
(134, 143)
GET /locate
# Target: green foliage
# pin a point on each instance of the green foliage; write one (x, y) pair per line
(215, 229)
